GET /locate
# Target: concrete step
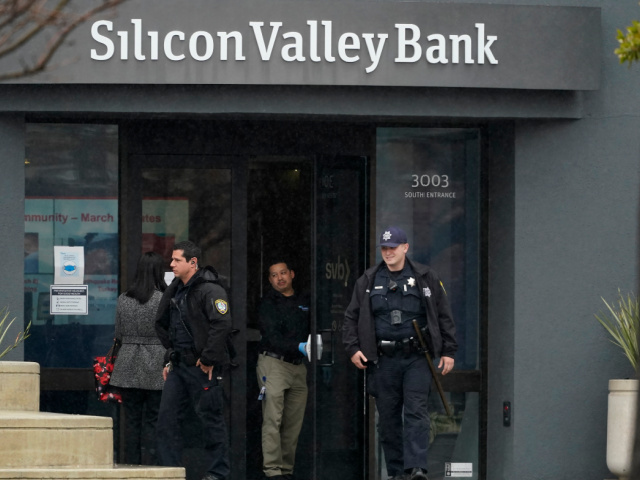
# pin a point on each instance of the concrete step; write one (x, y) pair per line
(20, 386)
(42, 439)
(42, 445)
(119, 472)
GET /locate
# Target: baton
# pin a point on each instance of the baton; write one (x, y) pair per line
(432, 368)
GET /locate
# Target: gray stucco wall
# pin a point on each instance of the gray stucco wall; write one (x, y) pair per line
(12, 223)
(576, 211)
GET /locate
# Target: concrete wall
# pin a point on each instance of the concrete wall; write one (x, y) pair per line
(12, 225)
(576, 214)
(575, 239)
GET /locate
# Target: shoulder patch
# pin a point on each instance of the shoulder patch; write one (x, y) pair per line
(222, 306)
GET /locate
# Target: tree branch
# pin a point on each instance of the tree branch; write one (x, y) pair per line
(66, 22)
(48, 20)
(12, 10)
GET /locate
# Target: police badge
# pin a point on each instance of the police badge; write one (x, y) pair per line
(221, 306)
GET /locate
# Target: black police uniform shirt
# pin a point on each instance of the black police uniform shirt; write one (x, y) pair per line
(395, 303)
(180, 333)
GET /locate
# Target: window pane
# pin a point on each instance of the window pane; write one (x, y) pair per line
(427, 183)
(71, 199)
(188, 204)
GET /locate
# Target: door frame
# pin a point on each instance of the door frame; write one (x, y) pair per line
(132, 240)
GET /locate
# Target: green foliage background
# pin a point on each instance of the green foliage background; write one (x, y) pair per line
(629, 49)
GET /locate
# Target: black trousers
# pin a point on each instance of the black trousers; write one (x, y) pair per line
(190, 387)
(401, 386)
(141, 414)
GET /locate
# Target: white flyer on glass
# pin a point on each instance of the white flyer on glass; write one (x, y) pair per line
(69, 300)
(68, 265)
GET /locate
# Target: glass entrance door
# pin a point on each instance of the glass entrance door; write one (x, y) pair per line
(176, 197)
(341, 223)
(313, 211)
(279, 227)
(428, 182)
(241, 210)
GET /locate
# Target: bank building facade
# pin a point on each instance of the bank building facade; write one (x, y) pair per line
(502, 137)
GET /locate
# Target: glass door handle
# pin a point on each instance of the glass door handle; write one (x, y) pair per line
(331, 344)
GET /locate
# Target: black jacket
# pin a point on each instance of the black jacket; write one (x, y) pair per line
(284, 323)
(209, 318)
(359, 331)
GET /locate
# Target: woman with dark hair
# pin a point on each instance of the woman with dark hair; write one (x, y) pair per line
(138, 367)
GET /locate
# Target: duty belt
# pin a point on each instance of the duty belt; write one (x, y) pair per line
(294, 361)
(407, 345)
(389, 348)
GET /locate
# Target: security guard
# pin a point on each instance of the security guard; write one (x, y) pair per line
(193, 323)
(379, 336)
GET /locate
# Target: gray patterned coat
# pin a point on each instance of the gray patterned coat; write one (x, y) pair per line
(140, 359)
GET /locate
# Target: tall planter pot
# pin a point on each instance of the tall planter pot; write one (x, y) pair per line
(621, 426)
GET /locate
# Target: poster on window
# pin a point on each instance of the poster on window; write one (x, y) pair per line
(91, 224)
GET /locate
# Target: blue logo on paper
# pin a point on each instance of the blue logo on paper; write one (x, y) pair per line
(69, 268)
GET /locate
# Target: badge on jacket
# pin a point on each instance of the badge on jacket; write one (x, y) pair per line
(221, 306)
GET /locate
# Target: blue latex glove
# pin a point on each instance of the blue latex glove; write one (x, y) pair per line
(303, 348)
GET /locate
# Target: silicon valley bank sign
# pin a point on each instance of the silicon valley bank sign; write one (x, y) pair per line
(376, 43)
(295, 46)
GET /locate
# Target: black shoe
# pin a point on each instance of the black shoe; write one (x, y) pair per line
(418, 474)
(402, 476)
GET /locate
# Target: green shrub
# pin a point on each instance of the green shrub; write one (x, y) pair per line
(4, 328)
(622, 322)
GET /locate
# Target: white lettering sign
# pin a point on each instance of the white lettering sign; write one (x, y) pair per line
(292, 45)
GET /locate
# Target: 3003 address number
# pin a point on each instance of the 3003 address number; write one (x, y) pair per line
(441, 181)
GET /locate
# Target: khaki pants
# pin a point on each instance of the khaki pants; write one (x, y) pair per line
(283, 409)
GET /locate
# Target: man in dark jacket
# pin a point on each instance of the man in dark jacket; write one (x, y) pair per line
(193, 322)
(284, 325)
(379, 335)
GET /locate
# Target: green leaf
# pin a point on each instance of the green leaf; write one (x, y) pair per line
(622, 322)
(22, 336)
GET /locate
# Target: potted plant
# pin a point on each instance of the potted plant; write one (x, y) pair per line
(622, 321)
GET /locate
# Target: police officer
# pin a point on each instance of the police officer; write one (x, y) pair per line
(379, 336)
(193, 323)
